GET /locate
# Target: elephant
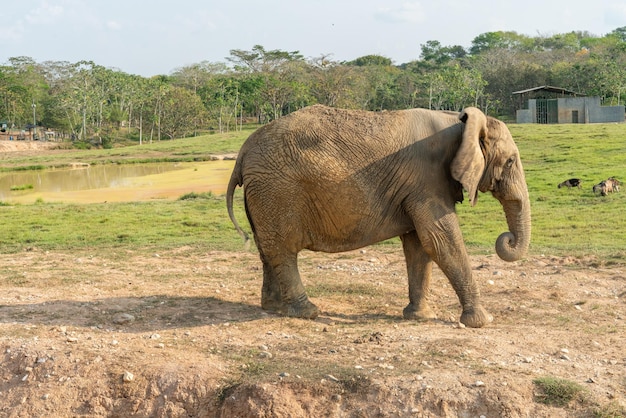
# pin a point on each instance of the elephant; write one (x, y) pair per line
(334, 180)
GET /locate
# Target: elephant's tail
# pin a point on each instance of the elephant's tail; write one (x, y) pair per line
(235, 181)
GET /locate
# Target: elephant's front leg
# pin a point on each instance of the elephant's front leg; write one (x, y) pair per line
(283, 290)
(419, 270)
(443, 241)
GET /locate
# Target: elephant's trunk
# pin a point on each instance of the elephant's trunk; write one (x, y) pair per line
(513, 245)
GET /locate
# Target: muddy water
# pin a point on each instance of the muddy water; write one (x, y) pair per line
(116, 183)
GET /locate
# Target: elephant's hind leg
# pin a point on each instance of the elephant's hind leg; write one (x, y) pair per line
(419, 270)
(270, 292)
(283, 290)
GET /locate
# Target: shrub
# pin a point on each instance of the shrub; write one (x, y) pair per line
(557, 392)
(194, 195)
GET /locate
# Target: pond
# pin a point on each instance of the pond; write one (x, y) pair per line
(116, 182)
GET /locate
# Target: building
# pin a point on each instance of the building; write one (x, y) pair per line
(547, 104)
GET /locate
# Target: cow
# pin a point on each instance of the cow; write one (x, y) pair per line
(607, 186)
(600, 188)
(571, 183)
(613, 183)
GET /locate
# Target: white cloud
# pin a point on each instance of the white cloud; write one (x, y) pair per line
(13, 32)
(408, 12)
(44, 14)
(114, 25)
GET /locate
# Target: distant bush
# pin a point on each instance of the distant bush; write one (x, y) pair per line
(21, 187)
(194, 195)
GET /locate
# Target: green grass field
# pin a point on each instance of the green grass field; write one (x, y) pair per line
(565, 221)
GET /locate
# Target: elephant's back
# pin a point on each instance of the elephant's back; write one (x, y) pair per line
(325, 141)
(320, 124)
(320, 133)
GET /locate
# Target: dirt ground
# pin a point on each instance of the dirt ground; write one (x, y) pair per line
(181, 334)
(25, 148)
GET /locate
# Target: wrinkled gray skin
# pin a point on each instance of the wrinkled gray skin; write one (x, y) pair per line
(334, 180)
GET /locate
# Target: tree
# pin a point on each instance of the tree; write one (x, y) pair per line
(332, 83)
(13, 94)
(25, 88)
(497, 40)
(368, 60)
(435, 53)
(505, 71)
(378, 78)
(619, 33)
(181, 110)
(222, 99)
(274, 69)
(258, 60)
(90, 101)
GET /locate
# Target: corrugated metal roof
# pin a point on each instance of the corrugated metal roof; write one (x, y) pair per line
(551, 89)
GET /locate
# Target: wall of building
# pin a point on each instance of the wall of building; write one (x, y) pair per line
(607, 114)
(528, 115)
(525, 116)
(575, 110)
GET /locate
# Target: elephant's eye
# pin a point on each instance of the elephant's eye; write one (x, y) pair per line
(510, 162)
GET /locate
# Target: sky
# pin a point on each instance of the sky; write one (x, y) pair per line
(156, 37)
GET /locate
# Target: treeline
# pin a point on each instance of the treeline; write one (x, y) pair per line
(88, 101)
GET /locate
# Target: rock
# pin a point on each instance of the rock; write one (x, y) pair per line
(265, 354)
(128, 377)
(331, 378)
(123, 318)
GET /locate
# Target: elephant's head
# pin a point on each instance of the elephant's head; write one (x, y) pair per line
(488, 160)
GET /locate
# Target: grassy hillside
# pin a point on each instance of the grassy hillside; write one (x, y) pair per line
(564, 221)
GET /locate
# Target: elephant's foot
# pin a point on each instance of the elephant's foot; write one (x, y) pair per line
(421, 313)
(271, 302)
(302, 308)
(476, 317)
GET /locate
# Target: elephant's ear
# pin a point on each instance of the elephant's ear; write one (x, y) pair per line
(469, 163)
